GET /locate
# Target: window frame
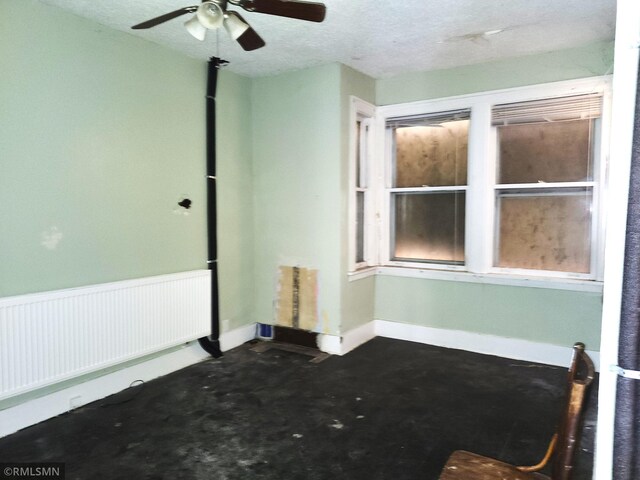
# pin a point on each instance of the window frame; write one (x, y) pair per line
(595, 186)
(363, 112)
(480, 221)
(393, 190)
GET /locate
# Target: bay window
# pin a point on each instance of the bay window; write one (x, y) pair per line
(506, 184)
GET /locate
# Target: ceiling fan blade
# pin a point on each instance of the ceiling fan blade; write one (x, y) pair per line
(249, 38)
(310, 11)
(163, 18)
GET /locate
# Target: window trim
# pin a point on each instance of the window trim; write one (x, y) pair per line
(505, 279)
(365, 112)
(480, 213)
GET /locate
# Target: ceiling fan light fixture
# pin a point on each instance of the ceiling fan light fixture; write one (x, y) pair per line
(213, 14)
(210, 15)
(234, 25)
(195, 28)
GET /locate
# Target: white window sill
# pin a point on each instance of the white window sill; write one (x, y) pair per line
(362, 273)
(486, 278)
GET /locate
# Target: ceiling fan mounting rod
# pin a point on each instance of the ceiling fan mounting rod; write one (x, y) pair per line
(221, 3)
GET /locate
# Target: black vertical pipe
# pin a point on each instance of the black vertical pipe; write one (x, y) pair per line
(627, 424)
(212, 344)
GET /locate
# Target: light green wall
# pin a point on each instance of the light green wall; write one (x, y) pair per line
(587, 61)
(357, 296)
(300, 167)
(301, 181)
(543, 315)
(235, 200)
(358, 301)
(101, 134)
(557, 317)
(297, 170)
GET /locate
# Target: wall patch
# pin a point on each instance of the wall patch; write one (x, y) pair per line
(297, 299)
(50, 238)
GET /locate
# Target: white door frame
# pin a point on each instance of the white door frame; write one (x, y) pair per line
(625, 76)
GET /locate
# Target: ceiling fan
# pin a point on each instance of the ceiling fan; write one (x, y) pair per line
(213, 14)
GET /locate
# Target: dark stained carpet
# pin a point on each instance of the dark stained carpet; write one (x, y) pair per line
(389, 410)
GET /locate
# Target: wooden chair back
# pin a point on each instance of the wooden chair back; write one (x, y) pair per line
(463, 465)
(581, 374)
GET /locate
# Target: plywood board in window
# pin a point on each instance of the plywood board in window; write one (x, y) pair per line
(433, 156)
(549, 232)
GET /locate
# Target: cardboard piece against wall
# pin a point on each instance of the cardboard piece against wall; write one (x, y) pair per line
(297, 302)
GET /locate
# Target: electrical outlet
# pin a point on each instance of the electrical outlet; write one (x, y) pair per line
(225, 325)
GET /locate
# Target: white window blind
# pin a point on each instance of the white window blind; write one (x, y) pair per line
(429, 119)
(577, 107)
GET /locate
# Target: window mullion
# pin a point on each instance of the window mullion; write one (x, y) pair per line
(365, 134)
(601, 149)
(370, 241)
(480, 198)
(381, 150)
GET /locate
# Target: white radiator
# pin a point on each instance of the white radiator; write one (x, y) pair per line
(53, 336)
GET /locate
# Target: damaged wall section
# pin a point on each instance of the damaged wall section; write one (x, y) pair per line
(297, 298)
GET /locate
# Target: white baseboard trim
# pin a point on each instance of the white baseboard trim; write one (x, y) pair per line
(42, 408)
(39, 409)
(514, 348)
(358, 336)
(329, 343)
(236, 337)
(352, 339)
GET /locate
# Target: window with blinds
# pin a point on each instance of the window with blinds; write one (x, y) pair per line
(545, 183)
(577, 107)
(504, 185)
(428, 188)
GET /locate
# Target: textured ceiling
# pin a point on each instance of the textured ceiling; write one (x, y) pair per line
(379, 38)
